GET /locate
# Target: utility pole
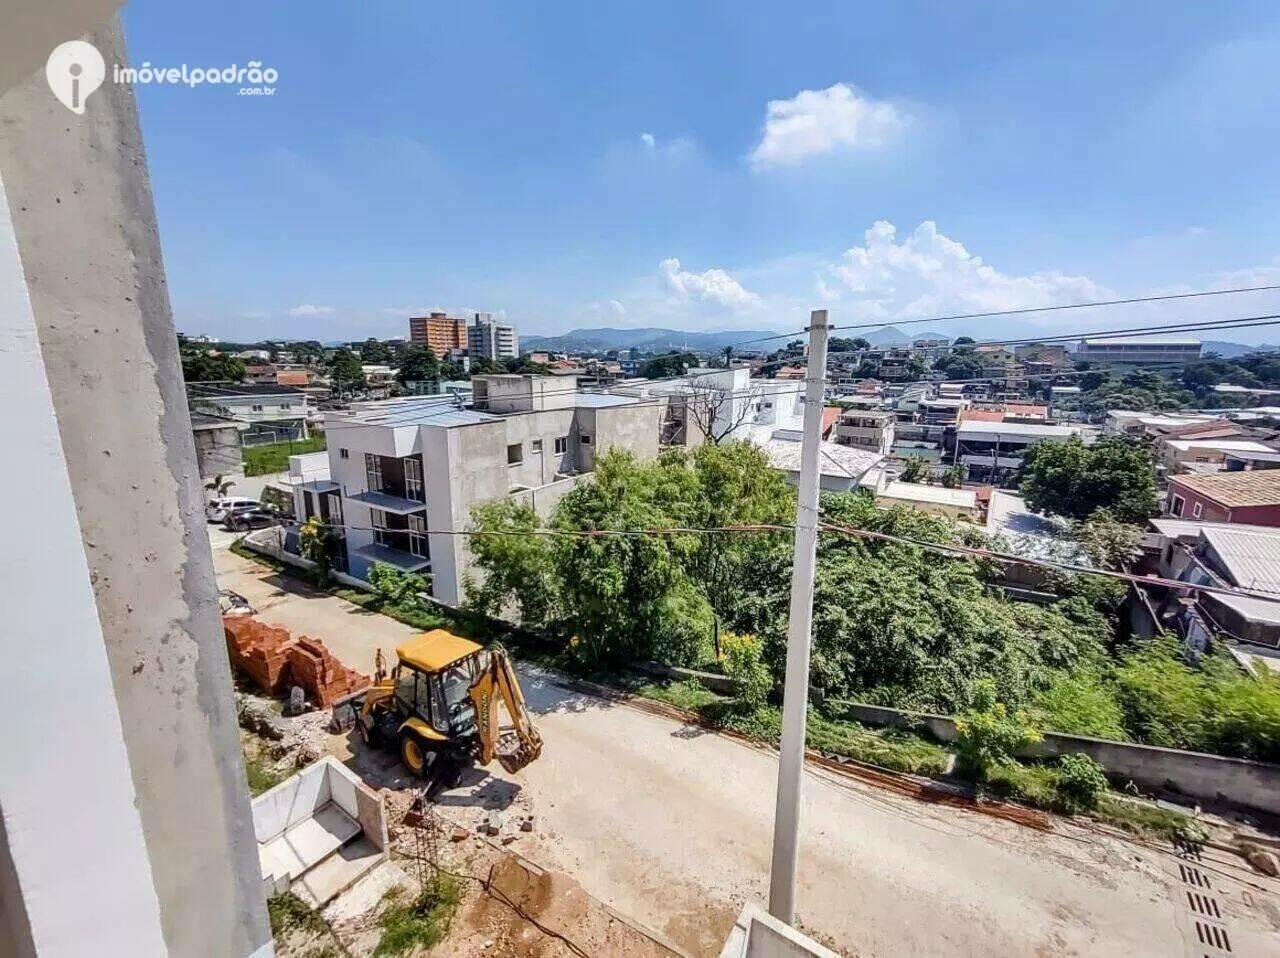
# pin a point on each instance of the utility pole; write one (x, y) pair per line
(795, 693)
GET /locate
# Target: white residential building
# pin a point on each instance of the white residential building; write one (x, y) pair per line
(270, 413)
(488, 339)
(403, 474)
(870, 429)
(993, 451)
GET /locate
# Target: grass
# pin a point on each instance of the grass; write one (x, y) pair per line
(262, 777)
(288, 913)
(889, 748)
(420, 922)
(1149, 821)
(274, 456)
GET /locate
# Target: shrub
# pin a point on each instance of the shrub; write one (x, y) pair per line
(1080, 704)
(742, 662)
(420, 922)
(989, 734)
(1080, 784)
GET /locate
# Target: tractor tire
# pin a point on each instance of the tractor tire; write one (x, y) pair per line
(416, 757)
(368, 736)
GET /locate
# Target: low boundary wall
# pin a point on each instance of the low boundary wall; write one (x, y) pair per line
(1210, 778)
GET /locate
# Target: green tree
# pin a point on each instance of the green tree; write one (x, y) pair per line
(519, 571)
(374, 351)
(1111, 544)
(1074, 480)
(526, 366)
(345, 372)
(201, 367)
(418, 364)
(990, 733)
(742, 662)
(953, 478)
(916, 469)
(667, 364)
(483, 365)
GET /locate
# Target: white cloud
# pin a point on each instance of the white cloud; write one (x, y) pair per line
(817, 122)
(929, 273)
(713, 285)
(648, 140)
(307, 309)
(617, 308)
(255, 314)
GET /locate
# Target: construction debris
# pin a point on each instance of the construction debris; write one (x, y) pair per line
(275, 661)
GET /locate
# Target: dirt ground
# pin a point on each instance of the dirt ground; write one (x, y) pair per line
(671, 826)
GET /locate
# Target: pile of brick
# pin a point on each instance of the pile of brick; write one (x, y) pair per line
(276, 661)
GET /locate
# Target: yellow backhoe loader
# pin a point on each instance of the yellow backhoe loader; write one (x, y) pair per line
(440, 704)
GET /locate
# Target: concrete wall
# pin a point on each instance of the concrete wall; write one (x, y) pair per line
(218, 452)
(1196, 774)
(81, 209)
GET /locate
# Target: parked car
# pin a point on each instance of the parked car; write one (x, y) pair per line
(239, 520)
(217, 509)
(233, 603)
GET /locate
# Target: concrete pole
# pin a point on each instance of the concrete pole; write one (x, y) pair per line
(795, 695)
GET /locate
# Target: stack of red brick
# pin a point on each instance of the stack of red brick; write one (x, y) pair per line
(276, 661)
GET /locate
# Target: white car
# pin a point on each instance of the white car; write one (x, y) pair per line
(218, 509)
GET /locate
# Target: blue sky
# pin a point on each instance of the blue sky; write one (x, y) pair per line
(711, 166)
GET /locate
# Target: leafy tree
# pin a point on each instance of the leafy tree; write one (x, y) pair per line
(1075, 480)
(962, 341)
(345, 371)
(741, 656)
(418, 364)
(990, 734)
(953, 478)
(525, 365)
(960, 364)
(840, 344)
(917, 469)
(375, 351)
(1081, 703)
(483, 365)
(667, 364)
(1111, 544)
(450, 371)
(201, 367)
(519, 570)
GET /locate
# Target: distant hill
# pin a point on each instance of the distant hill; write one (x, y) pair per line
(648, 339)
(893, 336)
(1233, 350)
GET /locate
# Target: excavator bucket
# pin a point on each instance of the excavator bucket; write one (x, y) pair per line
(514, 754)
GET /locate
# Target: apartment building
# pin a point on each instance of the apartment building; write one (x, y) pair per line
(443, 333)
(487, 339)
(401, 469)
(871, 429)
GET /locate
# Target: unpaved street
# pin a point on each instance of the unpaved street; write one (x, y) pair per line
(672, 826)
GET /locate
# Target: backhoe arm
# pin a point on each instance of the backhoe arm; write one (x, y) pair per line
(517, 746)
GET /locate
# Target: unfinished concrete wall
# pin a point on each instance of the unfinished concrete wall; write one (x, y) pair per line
(86, 231)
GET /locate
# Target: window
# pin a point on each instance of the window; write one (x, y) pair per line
(413, 480)
(373, 471)
(515, 454)
(335, 509)
(418, 536)
(256, 407)
(286, 405)
(1176, 505)
(343, 454)
(584, 439)
(562, 445)
(536, 446)
(1197, 509)
(378, 519)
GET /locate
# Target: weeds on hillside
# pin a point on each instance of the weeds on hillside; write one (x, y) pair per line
(421, 921)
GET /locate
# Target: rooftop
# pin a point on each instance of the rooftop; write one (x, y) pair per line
(1258, 487)
(1141, 341)
(1191, 528)
(842, 462)
(1223, 445)
(214, 390)
(920, 492)
(1250, 559)
(1020, 429)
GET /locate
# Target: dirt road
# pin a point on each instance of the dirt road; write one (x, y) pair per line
(672, 826)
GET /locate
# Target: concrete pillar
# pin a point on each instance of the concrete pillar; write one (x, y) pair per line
(80, 210)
